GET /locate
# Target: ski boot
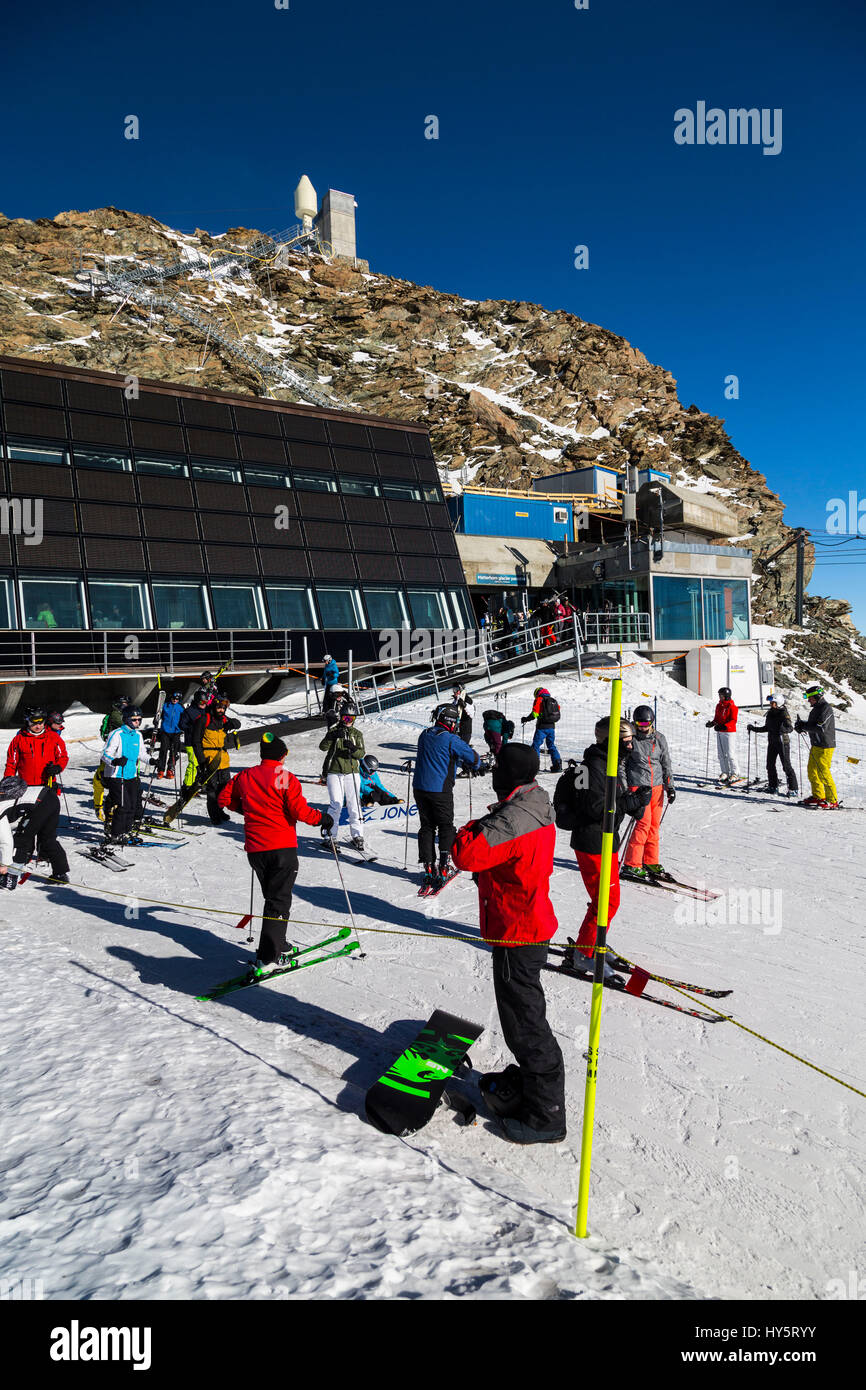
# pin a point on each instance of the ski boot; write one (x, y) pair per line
(658, 872)
(447, 871)
(59, 878)
(556, 767)
(632, 874)
(428, 883)
(13, 875)
(261, 967)
(132, 840)
(357, 842)
(812, 802)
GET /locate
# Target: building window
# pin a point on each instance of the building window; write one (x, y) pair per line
(431, 494)
(267, 477)
(462, 608)
(315, 482)
(339, 608)
(7, 603)
(103, 458)
(291, 605)
(52, 603)
(726, 609)
(360, 487)
(237, 605)
(118, 604)
(430, 609)
(216, 472)
(386, 608)
(165, 468)
(677, 605)
(34, 453)
(180, 605)
(402, 492)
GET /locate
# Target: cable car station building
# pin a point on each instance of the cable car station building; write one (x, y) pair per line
(150, 527)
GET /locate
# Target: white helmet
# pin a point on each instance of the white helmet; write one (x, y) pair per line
(327, 657)
(337, 689)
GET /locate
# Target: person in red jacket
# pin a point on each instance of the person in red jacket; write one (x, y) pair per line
(724, 721)
(270, 799)
(38, 755)
(510, 853)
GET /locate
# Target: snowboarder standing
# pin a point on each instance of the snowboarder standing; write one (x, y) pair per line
(648, 764)
(545, 710)
(821, 728)
(343, 746)
(212, 756)
(724, 721)
(510, 850)
(440, 749)
(778, 728)
(270, 799)
(579, 804)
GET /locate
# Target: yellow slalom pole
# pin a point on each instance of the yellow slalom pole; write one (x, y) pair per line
(608, 825)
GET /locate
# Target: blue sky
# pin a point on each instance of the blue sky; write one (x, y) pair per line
(556, 129)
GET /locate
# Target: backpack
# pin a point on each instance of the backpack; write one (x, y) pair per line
(563, 802)
(549, 712)
(103, 728)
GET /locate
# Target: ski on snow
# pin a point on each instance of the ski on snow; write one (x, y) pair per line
(298, 962)
(672, 885)
(620, 963)
(621, 988)
(432, 890)
(109, 860)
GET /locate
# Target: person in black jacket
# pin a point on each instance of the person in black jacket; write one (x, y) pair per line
(778, 728)
(578, 801)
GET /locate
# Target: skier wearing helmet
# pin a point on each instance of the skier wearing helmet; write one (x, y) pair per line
(330, 678)
(724, 721)
(122, 757)
(343, 746)
(464, 705)
(210, 750)
(821, 728)
(440, 749)
(192, 716)
(778, 728)
(169, 734)
(37, 755)
(648, 764)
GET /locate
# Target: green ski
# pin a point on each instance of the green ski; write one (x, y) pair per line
(300, 960)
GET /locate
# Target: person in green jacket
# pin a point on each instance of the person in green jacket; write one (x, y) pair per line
(343, 746)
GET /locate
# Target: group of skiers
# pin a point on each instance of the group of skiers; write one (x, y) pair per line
(509, 849)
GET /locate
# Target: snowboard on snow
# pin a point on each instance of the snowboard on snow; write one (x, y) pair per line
(406, 1095)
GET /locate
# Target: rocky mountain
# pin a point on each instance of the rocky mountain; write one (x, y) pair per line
(510, 390)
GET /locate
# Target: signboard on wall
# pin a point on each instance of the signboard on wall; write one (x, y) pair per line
(497, 579)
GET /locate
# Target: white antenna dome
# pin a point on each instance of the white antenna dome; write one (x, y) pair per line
(306, 199)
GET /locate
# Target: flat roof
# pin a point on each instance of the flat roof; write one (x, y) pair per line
(173, 388)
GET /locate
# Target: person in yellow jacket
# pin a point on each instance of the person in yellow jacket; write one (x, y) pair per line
(210, 733)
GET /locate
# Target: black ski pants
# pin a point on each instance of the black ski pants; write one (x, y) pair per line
(780, 748)
(169, 751)
(435, 815)
(37, 828)
(215, 784)
(523, 1016)
(276, 871)
(124, 798)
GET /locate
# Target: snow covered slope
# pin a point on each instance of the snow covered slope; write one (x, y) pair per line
(158, 1147)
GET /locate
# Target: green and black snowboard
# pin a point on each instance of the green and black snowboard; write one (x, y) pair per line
(404, 1099)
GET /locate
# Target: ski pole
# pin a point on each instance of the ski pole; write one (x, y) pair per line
(748, 761)
(707, 767)
(408, 793)
(252, 890)
(800, 754)
(345, 890)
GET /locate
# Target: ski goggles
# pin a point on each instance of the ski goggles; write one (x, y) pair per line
(643, 723)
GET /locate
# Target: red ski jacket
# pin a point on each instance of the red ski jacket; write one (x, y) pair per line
(725, 717)
(511, 852)
(270, 799)
(28, 755)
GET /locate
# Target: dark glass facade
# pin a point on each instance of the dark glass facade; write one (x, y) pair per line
(168, 509)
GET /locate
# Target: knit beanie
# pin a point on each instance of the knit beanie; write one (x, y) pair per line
(515, 766)
(272, 749)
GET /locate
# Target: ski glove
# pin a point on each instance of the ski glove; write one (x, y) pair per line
(672, 796)
(118, 762)
(752, 728)
(51, 770)
(710, 723)
(526, 718)
(327, 821)
(407, 765)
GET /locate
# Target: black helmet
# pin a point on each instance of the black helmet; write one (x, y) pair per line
(176, 695)
(813, 691)
(131, 712)
(448, 716)
(642, 715)
(369, 765)
(725, 692)
(347, 710)
(120, 702)
(55, 717)
(206, 676)
(200, 697)
(34, 715)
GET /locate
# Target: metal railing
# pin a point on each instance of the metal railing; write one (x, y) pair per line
(604, 629)
(56, 651)
(492, 658)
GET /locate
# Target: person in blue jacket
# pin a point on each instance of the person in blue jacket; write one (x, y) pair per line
(439, 752)
(121, 757)
(330, 677)
(373, 792)
(169, 734)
